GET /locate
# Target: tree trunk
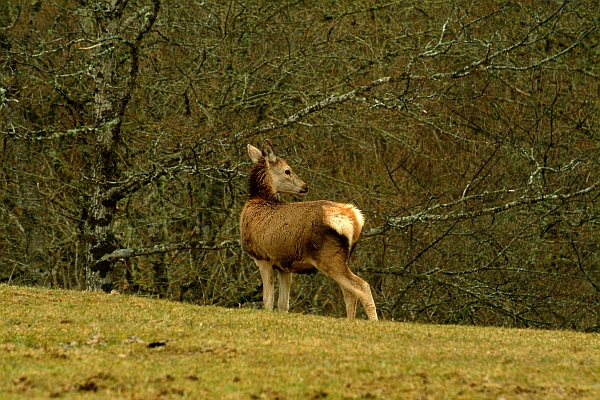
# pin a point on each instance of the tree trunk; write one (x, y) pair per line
(114, 71)
(99, 213)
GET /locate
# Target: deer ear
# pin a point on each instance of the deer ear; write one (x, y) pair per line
(254, 153)
(268, 152)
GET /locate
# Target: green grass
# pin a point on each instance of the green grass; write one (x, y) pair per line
(65, 344)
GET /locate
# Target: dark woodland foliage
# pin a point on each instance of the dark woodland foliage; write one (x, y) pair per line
(467, 132)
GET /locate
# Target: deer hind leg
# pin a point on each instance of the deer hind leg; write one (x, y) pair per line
(336, 267)
(285, 282)
(361, 289)
(351, 300)
(266, 273)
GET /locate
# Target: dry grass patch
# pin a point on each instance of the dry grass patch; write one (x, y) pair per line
(64, 344)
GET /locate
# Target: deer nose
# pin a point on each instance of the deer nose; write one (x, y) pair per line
(304, 189)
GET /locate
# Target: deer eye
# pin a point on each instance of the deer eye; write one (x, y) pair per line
(287, 172)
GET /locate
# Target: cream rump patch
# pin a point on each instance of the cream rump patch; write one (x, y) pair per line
(345, 219)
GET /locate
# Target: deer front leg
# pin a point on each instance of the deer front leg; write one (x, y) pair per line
(285, 283)
(266, 273)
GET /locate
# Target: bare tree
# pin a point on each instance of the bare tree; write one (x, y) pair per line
(465, 132)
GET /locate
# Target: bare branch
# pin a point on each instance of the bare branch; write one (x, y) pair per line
(91, 47)
(165, 248)
(46, 134)
(402, 222)
(328, 102)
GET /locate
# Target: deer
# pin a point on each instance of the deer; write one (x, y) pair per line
(298, 237)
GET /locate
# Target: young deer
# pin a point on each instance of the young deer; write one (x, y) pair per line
(299, 237)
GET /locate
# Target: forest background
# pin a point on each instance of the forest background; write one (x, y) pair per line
(466, 131)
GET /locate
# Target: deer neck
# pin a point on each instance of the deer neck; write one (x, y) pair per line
(260, 187)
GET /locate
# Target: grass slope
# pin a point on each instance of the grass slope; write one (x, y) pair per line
(65, 344)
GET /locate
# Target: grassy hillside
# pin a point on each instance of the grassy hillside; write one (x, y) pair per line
(65, 344)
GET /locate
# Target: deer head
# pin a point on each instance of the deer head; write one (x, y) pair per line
(278, 174)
